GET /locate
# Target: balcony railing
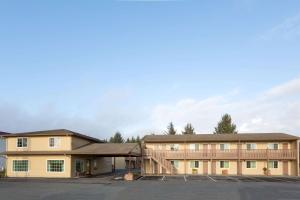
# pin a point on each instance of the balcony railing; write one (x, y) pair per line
(257, 154)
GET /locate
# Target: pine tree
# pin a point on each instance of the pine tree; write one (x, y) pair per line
(170, 129)
(188, 129)
(117, 138)
(225, 126)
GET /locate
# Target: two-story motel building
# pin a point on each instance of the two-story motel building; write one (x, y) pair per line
(61, 154)
(234, 154)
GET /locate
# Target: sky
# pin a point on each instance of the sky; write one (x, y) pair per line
(97, 67)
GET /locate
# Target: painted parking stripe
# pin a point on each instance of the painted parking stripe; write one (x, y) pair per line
(211, 178)
(163, 178)
(184, 178)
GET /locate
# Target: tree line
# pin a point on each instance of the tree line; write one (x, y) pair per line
(224, 126)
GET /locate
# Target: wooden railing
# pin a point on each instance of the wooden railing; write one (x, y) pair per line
(257, 154)
(160, 157)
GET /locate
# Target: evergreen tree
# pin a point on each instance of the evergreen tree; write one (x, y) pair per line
(170, 129)
(225, 126)
(117, 138)
(188, 129)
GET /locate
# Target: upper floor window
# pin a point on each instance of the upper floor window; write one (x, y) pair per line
(224, 147)
(251, 146)
(273, 146)
(53, 142)
(174, 147)
(194, 147)
(22, 142)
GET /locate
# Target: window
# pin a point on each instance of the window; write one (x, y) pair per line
(251, 164)
(53, 142)
(224, 164)
(194, 164)
(224, 147)
(55, 165)
(174, 147)
(20, 165)
(22, 142)
(273, 146)
(194, 147)
(273, 164)
(79, 165)
(175, 163)
(251, 146)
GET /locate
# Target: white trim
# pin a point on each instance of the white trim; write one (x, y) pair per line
(56, 145)
(20, 171)
(273, 164)
(228, 144)
(55, 160)
(22, 142)
(273, 145)
(251, 147)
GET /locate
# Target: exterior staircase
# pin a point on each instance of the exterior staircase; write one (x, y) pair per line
(160, 158)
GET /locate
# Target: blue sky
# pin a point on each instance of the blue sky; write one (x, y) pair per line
(133, 66)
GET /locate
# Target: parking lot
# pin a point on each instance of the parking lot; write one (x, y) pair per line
(278, 179)
(154, 188)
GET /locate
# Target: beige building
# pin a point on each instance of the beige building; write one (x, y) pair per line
(221, 154)
(60, 154)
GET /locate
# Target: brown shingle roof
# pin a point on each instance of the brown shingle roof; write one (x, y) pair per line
(3, 133)
(109, 149)
(220, 137)
(57, 132)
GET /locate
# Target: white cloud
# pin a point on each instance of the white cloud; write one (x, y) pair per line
(288, 29)
(269, 112)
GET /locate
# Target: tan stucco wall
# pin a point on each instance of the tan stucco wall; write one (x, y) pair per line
(119, 162)
(38, 166)
(39, 144)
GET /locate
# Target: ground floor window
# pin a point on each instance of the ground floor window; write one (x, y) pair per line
(224, 164)
(175, 163)
(194, 164)
(79, 165)
(55, 165)
(20, 165)
(251, 164)
(273, 164)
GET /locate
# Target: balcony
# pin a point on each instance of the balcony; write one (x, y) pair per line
(243, 154)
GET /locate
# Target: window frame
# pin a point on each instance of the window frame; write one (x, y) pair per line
(22, 138)
(250, 164)
(55, 160)
(272, 166)
(82, 167)
(56, 141)
(224, 164)
(172, 147)
(251, 144)
(175, 161)
(225, 144)
(273, 144)
(193, 166)
(13, 166)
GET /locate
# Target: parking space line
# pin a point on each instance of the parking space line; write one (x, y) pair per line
(163, 178)
(184, 178)
(211, 178)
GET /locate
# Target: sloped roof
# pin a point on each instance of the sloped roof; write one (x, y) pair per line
(56, 132)
(220, 137)
(109, 149)
(3, 133)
